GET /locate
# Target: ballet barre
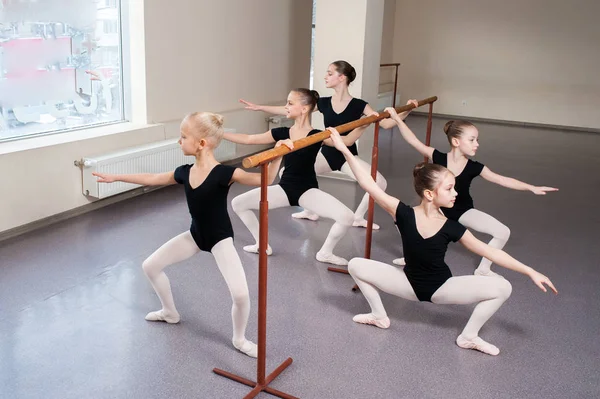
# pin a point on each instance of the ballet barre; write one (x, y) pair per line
(262, 159)
(269, 155)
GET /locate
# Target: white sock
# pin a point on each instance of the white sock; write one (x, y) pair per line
(363, 223)
(399, 262)
(247, 347)
(369, 318)
(254, 249)
(478, 344)
(331, 258)
(305, 214)
(161, 315)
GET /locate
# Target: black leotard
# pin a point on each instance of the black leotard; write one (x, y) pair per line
(208, 205)
(354, 110)
(463, 202)
(299, 175)
(425, 267)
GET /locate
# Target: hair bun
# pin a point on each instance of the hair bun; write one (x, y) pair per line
(315, 94)
(218, 120)
(418, 168)
(447, 126)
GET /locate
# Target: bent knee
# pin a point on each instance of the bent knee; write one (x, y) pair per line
(504, 289)
(354, 266)
(237, 204)
(347, 218)
(503, 233)
(149, 267)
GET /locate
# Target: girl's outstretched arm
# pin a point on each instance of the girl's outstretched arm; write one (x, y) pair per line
(515, 184)
(144, 179)
(503, 259)
(270, 109)
(241, 138)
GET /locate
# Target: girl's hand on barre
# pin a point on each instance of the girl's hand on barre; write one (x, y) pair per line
(249, 105)
(413, 102)
(338, 143)
(287, 142)
(373, 113)
(392, 112)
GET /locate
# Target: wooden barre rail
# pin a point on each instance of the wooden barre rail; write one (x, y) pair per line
(269, 155)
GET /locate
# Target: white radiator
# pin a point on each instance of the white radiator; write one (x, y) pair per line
(159, 157)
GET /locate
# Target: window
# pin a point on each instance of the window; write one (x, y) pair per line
(60, 66)
(111, 27)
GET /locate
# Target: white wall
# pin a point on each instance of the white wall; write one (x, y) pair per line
(529, 61)
(386, 76)
(199, 55)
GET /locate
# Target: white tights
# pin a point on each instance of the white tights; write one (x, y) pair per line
(488, 293)
(315, 200)
(484, 223)
(183, 247)
(321, 166)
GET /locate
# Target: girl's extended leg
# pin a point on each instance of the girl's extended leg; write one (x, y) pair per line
(328, 206)
(371, 275)
(484, 223)
(230, 266)
(244, 205)
(321, 166)
(490, 295)
(175, 250)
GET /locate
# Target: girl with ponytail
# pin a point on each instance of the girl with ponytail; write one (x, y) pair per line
(206, 185)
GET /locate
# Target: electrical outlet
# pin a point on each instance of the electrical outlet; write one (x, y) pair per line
(464, 102)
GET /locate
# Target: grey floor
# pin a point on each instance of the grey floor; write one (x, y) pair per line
(73, 296)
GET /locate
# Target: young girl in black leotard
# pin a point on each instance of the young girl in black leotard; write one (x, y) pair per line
(339, 109)
(206, 186)
(298, 184)
(425, 236)
(462, 136)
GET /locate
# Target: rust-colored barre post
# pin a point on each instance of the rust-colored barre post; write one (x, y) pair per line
(269, 155)
(263, 239)
(429, 120)
(262, 381)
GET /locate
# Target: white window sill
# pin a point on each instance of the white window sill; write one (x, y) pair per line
(68, 137)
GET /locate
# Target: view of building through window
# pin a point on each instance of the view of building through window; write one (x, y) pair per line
(60, 65)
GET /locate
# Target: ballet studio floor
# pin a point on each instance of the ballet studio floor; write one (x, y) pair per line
(73, 296)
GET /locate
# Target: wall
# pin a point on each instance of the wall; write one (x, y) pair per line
(386, 76)
(199, 55)
(528, 61)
